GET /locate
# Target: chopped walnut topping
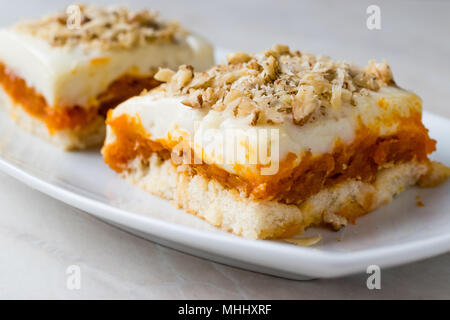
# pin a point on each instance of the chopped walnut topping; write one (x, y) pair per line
(255, 116)
(164, 75)
(270, 67)
(304, 103)
(380, 70)
(238, 57)
(202, 80)
(184, 76)
(193, 101)
(109, 27)
(278, 85)
(281, 48)
(245, 107)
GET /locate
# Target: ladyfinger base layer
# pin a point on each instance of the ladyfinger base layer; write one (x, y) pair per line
(231, 212)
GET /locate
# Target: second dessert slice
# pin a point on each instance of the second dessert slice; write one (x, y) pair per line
(59, 76)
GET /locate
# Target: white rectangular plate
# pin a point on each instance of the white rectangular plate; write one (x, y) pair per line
(398, 233)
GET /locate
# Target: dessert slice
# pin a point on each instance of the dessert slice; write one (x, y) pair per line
(59, 75)
(269, 144)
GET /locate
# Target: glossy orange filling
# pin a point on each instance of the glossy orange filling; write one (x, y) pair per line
(71, 117)
(359, 160)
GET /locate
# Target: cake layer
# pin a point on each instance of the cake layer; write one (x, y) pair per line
(90, 135)
(228, 210)
(235, 146)
(207, 131)
(370, 128)
(294, 182)
(57, 118)
(75, 76)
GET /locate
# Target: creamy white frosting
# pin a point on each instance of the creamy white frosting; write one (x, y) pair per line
(68, 77)
(210, 133)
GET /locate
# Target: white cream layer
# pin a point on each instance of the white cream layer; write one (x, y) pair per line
(68, 77)
(231, 144)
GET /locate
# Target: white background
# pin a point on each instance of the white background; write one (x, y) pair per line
(40, 237)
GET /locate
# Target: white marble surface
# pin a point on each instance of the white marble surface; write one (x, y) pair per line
(40, 237)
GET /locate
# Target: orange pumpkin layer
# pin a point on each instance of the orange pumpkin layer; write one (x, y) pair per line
(359, 160)
(71, 117)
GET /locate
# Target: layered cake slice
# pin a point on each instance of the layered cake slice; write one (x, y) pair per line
(269, 144)
(60, 74)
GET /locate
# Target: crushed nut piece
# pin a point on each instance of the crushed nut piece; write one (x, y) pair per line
(164, 75)
(238, 57)
(270, 67)
(304, 103)
(184, 75)
(111, 27)
(245, 107)
(281, 48)
(380, 70)
(203, 80)
(194, 100)
(278, 85)
(255, 116)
